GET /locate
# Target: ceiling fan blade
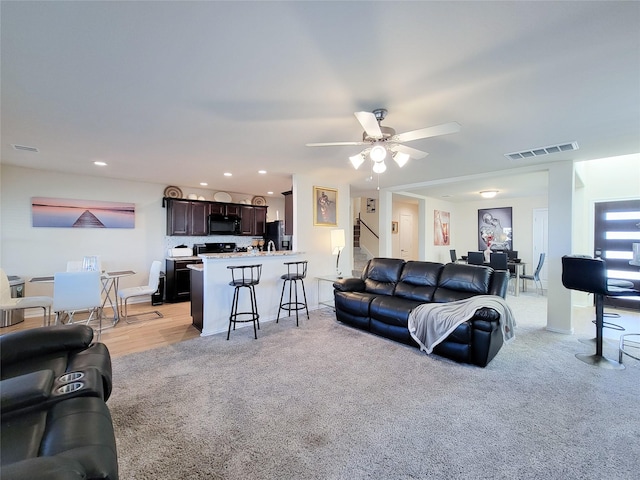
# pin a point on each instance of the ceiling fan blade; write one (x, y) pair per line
(336, 144)
(412, 152)
(369, 123)
(444, 129)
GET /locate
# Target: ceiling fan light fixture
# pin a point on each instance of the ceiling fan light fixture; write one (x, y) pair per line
(379, 167)
(488, 193)
(401, 158)
(357, 160)
(378, 153)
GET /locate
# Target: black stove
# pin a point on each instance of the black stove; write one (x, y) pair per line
(224, 247)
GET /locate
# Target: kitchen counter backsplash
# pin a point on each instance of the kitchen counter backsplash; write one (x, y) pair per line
(241, 242)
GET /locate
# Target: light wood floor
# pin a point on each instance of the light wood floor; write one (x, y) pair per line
(148, 332)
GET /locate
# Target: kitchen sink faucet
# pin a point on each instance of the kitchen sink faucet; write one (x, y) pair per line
(270, 245)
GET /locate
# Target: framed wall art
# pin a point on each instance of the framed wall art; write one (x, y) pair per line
(394, 227)
(71, 213)
(494, 229)
(440, 227)
(325, 206)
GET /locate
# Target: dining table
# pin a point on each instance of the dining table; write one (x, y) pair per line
(110, 285)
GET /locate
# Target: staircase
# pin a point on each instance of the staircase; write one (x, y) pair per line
(359, 262)
(359, 258)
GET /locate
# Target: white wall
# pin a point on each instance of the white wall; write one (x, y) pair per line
(464, 225)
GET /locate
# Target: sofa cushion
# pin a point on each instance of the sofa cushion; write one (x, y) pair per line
(392, 310)
(459, 281)
(382, 274)
(418, 281)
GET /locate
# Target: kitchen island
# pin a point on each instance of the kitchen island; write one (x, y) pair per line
(211, 293)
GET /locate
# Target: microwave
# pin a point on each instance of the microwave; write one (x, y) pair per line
(224, 224)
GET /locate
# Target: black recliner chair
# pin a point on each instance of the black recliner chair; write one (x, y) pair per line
(54, 422)
(588, 274)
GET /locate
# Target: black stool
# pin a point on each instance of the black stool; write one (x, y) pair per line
(247, 276)
(296, 271)
(588, 274)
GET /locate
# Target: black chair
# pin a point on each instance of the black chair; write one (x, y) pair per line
(498, 261)
(475, 258)
(244, 276)
(296, 272)
(512, 254)
(588, 274)
(536, 275)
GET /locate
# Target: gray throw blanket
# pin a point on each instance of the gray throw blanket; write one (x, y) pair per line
(430, 323)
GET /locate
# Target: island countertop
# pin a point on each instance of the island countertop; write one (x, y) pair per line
(217, 294)
(275, 253)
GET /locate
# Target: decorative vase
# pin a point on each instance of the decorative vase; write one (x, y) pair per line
(487, 254)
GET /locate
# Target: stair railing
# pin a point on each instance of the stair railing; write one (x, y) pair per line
(361, 222)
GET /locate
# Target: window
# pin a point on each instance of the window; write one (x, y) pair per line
(616, 228)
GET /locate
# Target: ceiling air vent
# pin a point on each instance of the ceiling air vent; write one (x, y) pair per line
(536, 152)
(24, 148)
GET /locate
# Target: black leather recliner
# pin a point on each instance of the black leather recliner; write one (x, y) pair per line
(382, 299)
(55, 424)
(59, 348)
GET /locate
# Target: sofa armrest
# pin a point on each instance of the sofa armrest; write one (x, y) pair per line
(25, 390)
(25, 344)
(349, 285)
(44, 468)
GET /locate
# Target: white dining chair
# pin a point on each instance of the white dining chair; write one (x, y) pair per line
(7, 302)
(125, 294)
(78, 291)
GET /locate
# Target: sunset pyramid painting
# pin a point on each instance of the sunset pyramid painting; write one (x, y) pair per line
(70, 213)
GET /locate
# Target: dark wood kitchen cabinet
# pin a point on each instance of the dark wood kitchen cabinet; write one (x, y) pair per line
(225, 208)
(260, 221)
(178, 280)
(247, 220)
(253, 220)
(191, 217)
(186, 217)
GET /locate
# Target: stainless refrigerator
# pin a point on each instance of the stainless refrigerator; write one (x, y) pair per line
(275, 232)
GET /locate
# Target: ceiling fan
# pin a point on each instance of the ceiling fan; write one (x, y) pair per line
(381, 140)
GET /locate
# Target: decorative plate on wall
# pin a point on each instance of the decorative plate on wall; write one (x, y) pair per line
(172, 192)
(259, 201)
(222, 197)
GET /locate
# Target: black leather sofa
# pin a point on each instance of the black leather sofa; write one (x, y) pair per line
(389, 288)
(55, 424)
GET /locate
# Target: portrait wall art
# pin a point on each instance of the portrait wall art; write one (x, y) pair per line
(70, 213)
(325, 206)
(495, 229)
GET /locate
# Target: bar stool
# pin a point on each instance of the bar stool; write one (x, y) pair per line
(296, 271)
(244, 276)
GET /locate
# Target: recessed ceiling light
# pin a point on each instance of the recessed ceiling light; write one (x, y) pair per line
(100, 164)
(488, 193)
(269, 193)
(204, 184)
(262, 172)
(227, 174)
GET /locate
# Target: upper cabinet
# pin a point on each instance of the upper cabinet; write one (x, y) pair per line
(191, 217)
(186, 217)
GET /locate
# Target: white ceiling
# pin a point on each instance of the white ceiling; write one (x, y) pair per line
(176, 93)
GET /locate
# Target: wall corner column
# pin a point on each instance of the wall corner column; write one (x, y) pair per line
(561, 207)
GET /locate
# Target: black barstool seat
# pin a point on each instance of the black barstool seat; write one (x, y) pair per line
(296, 271)
(589, 275)
(244, 276)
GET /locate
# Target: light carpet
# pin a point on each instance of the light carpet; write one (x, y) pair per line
(325, 401)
